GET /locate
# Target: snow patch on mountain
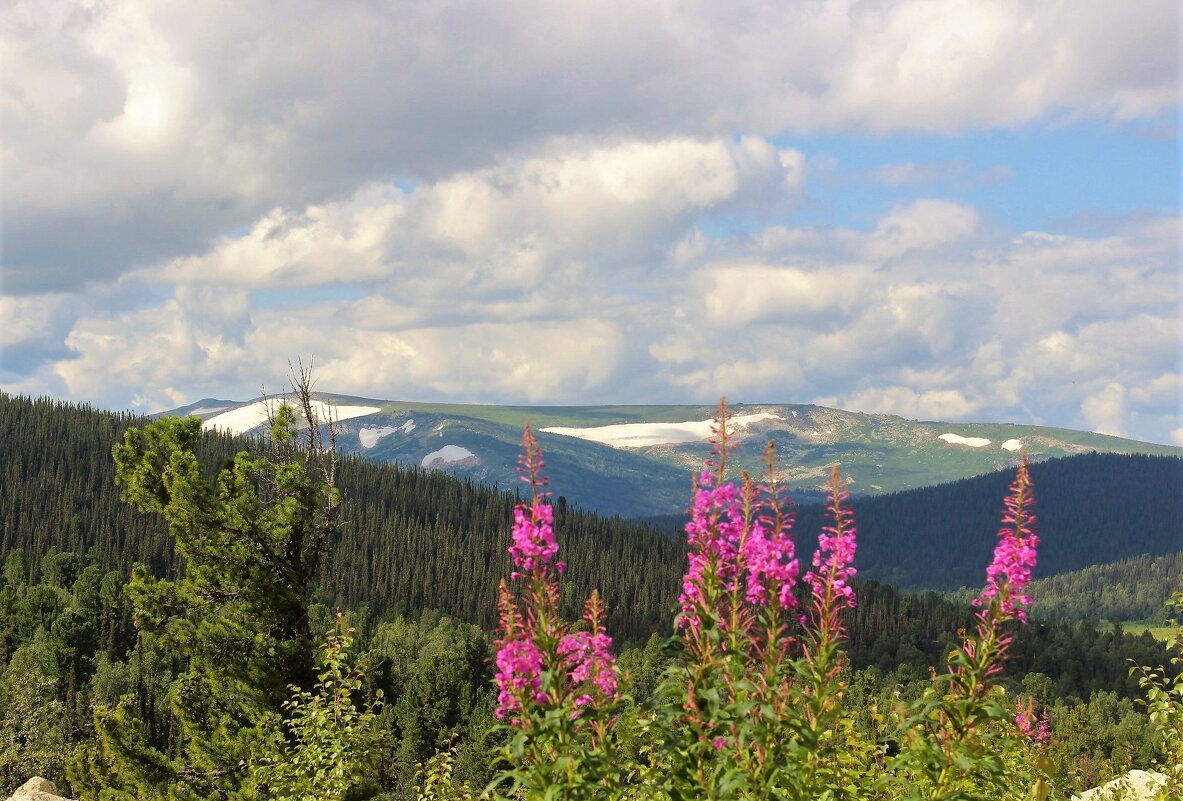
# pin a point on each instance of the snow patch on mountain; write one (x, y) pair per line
(446, 456)
(205, 410)
(973, 442)
(251, 416)
(1012, 445)
(369, 436)
(641, 435)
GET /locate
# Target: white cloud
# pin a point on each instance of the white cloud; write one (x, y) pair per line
(909, 172)
(738, 295)
(1165, 390)
(952, 329)
(1105, 410)
(923, 224)
(955, 173)
(505, 227)
(29, 318)
(149, 130)
(946, 404)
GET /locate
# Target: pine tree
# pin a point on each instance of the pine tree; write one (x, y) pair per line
(236, 617)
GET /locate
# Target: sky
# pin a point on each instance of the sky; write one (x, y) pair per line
(962, 210)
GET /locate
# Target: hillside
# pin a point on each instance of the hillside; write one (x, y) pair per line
(1134, 589)
(429, 539)
(413, 538)
(418, 540)
(636, 461)
(1092, 509)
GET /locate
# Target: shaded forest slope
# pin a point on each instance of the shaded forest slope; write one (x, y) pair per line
(428, 540)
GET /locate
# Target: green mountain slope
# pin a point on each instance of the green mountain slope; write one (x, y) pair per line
(1092, 509)
(425, 539)
(419, 540)
(1134, 589)
(879, 453)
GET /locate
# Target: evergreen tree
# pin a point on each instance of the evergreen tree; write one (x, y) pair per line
(236, 617)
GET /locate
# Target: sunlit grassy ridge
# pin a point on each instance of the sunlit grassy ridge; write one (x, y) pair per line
(878, 453)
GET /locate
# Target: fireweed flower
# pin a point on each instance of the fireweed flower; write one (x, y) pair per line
(1043, 732)
(833, 561)
(588, 656)
(772, 568)
(714, 533)
(534, 641)
(519, 674)
(1014, 556)
(744, 556)
(533, 537)
(1037, 729)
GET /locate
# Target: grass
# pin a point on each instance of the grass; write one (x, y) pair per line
(1157, 630)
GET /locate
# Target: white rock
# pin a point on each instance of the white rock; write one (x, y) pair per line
(1137, 785)
(37, 789)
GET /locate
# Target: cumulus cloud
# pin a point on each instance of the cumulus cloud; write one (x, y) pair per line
(923, 224)
(573, 203)
(955, 173)
(941, 404)
(786, 314)
(504, 227)
(1105, 410)
(149, 130)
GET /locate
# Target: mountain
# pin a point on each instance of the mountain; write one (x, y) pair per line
(1091, 509)
(638, 461)
(426, 539)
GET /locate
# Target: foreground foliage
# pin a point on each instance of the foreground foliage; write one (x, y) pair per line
(751, 707)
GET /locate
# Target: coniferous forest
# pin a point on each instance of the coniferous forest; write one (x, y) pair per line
(407, 579)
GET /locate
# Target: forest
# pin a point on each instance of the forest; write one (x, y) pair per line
(112, 617)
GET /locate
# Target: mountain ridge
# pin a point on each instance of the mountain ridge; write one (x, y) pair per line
(588, 450)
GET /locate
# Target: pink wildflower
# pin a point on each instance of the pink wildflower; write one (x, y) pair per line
(769, 558)
(836, 545)
(742, 553)
(590, 660)
(588, 655)
(1023, 716)
(519, 674)
(1043, 733)
(714, 532)
(1014, 556)
(533, 536)
(1025, 722)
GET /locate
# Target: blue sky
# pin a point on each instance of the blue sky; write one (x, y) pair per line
(943, 209)
(1033, 178)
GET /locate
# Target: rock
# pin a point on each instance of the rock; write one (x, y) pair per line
(1137, 785)
(37, 789)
